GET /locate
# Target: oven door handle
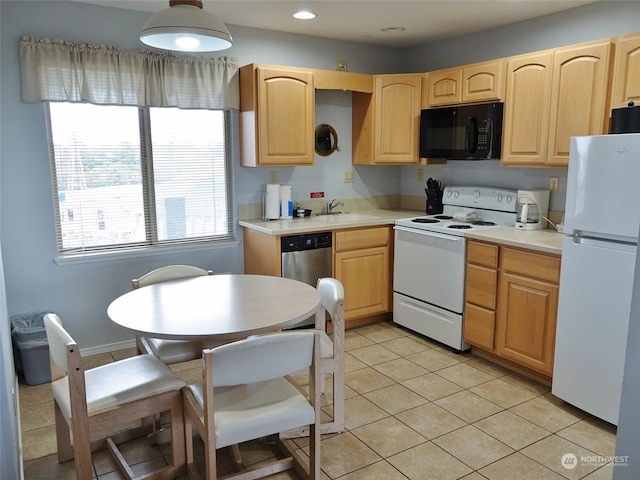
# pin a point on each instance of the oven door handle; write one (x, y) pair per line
(451, 238)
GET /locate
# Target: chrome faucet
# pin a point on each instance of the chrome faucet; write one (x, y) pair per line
(332, 204)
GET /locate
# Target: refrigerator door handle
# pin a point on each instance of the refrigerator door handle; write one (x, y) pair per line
(606, 244)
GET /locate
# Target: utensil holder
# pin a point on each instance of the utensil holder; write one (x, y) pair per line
(434, 202)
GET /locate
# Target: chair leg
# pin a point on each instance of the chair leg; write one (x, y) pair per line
(63, 436)
(235, 455)
(82, 450)
(177, 430)
(338, 398)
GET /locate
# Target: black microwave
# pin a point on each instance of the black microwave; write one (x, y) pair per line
(465, 132)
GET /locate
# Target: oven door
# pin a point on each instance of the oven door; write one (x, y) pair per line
(430, 267)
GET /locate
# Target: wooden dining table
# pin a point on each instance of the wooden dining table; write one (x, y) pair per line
(214, 308)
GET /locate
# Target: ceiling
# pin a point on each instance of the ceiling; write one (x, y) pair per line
(424, 21)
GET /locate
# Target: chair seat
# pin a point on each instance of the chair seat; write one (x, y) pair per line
(118, 383)
(256, 410)
(175, 351)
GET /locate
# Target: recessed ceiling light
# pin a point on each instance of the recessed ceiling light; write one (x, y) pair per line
(392, 29)
(304, 15)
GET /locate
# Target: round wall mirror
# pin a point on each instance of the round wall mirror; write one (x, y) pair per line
(326, 140)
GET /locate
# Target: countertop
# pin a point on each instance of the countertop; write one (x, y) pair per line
(321, 223)
(547, 241)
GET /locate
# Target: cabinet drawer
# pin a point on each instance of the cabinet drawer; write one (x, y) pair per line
(481, 288)
(543, 267)
(482, 254)
(479, 325)
(362, 238)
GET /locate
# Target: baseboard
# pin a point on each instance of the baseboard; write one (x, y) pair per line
(111, 347)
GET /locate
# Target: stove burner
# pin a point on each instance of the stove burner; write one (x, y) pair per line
(482, 223)
(425, 220)
(443, 217)
(458, 226)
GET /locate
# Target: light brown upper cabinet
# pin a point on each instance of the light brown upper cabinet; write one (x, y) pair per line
(578, 96)
(477, 82)
(526, 115)
(386, 124)
(277, 115)
(552, 96)
(626, 71)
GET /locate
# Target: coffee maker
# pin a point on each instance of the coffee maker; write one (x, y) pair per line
(533, 207)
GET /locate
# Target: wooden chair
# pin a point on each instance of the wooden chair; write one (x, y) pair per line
(245, 395)
(97, 407)
(332, 351)
(169, 351)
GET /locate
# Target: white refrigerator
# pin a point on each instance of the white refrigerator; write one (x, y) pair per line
(602, 217)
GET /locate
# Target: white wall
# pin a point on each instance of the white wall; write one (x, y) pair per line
(591, 22)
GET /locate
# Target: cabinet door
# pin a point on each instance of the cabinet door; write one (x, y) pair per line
(626, 71)
(286, 117)
(365, 277)
(444, 87)
(479, 326)
(483, 82)
(526, 116)
(527, 313)
(578, 97)
(397, 118)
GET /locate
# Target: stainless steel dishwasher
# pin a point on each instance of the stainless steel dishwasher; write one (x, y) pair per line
(306, 258)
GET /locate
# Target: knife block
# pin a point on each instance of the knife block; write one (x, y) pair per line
(434, 202)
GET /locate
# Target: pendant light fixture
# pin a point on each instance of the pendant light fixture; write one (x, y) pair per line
(185, 27)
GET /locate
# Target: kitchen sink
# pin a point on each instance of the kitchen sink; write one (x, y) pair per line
(339, 217)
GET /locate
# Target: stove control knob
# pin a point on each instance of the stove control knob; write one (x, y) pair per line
(456, 194)
(476, 194)
(448, 193)
(499, 198)
(509, 198)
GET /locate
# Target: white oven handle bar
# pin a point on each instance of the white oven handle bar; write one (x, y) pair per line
(451, 238)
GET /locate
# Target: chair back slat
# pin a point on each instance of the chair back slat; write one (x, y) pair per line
(261, 358)
(170, 272)
(59, 340)
(331, 293)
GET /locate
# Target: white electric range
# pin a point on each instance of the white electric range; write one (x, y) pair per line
(430, 257)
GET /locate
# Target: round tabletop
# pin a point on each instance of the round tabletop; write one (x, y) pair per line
(220, 306)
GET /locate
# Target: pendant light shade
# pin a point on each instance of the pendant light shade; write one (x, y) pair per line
(185, 27)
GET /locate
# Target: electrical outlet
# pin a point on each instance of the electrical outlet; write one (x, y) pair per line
(273, 176)
(420, 175)
(554, 184)
(348, 176)
(341, 65)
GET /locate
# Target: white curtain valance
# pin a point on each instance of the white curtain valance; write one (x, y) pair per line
(60, 71)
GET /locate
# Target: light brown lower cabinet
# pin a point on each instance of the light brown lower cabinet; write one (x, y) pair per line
(362, 262)
(511, 304)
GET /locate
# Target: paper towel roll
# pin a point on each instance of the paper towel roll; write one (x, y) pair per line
(272, 202)
(286, 204)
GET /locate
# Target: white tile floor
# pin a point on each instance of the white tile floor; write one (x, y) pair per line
(414, 410)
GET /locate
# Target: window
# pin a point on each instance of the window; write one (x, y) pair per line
(126, 177)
